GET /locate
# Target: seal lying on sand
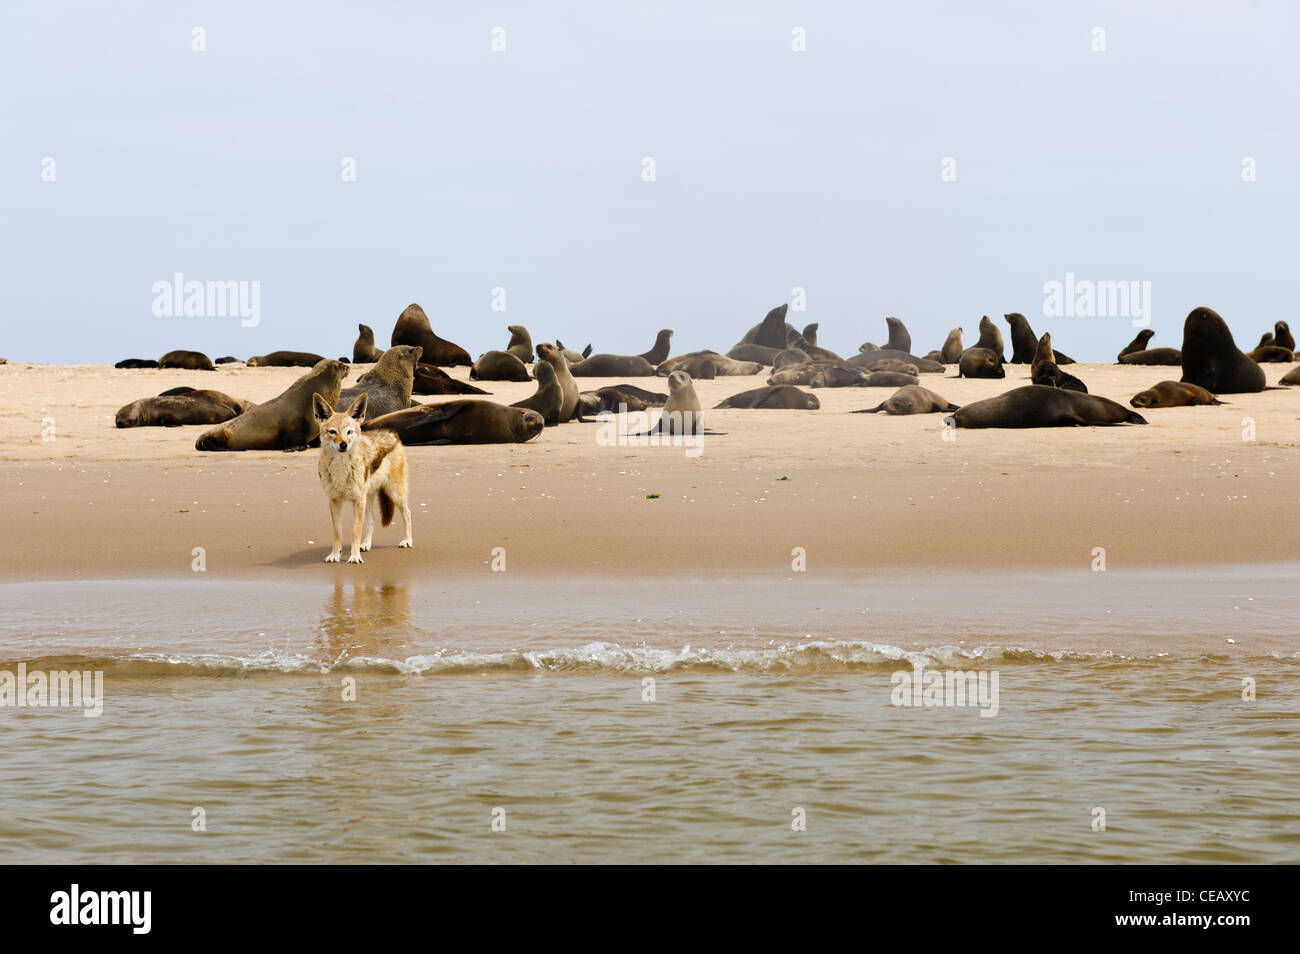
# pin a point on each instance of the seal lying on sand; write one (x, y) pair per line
(1173, 394)
(461, 422)
(613, 366)
(1169, 356)
(1043, 369)
(136, 363)
(782, 396)
(181, 406)
(619, 397)
(722, 365)
(1212, 360)
(1038, 406)
(188, 360)
(433, 380)
(286, 422)
(285, 359)
(499, 366)
(980, 363)
(912, 399)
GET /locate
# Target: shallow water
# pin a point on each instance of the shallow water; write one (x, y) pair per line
(1120, 693)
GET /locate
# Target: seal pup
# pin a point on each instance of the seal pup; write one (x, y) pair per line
(285, 359)
(388, 384)
(1282, 336)
(286, 422)
(613, 366)
(1173, 394)
(521, 343)
(780, 397)
(681, 413)
(499, 366)
(1044, 370)
(912, 399)
(363, 349)
(1139, 343)
(980, 363)
(461, 422)
(1153, 356)
(1211, 358)
(181, 406)
(366, 469)
(413, 328)
(659, 352)
(132, 363)
(1038, 406)
(553, 356)
(548, 398)
(952, 349)
(188, 360)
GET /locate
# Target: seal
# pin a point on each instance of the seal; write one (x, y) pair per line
(570, 355)
(952, 349)
(1038, 406)
(1139, 343)
(620, 397)
(1265, 339)
(1173, 394)
(681, 413)
(461, 422)
(286, 422)
(553, 356)
(186, 407)
(521, 343)
(980, 363)
(912, 399)
(228, 359)
(1153, 356)
(1023, 340)
(809, 333)
(789, 358)
(136, 363)
(658, 354)
(430, 379)
(771, 331)
(755, 353)
(188, 360)
(499, 366)
(825, 375)
(990, 338)
(1291, 377)
(363, 349)
(548, 398)
(893, 364)
(1044, 370)
(782, 397)
(1282, 336)
(899, 339)
(413, 328)
(285, 359)
(388, 384)
(865, 359)
(722, 365)
(1211, 358)
(700, 369)
(1272, 354)
(613, 366)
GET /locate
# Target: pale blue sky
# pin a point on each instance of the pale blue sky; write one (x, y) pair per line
(522, 169)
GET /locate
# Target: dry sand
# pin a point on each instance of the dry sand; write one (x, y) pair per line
(863, 491)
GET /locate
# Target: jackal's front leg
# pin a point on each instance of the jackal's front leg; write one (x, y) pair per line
(358, 524)
(336, 519)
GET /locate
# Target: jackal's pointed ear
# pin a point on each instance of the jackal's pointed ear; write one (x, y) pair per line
(319, 409)
(358, 409)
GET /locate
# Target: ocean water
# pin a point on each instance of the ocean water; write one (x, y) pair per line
(1139, 718)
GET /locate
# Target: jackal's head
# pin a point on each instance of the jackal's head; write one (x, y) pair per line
(339, 431)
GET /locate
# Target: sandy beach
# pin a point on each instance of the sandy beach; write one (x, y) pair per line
(863, 490)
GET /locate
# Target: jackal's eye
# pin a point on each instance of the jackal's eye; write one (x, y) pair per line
(333, 433)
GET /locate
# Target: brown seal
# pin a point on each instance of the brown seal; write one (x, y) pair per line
(499, 366)
(285, 359)
(658, 354)
(1153, 356)
(952, 349)
(286, 422)
(1282, 336)
(461, 422)
(722, 365)
(181, 406)
(555, 358)
(980, 363)
(413, 328)
(613, 366)
(620, 397)
(912, 399)
(783, 397)
(430, 379)
(188, 360)
(521, 343)
(136, 363)
(1044, 370)
(388, 384)
(548, 398)
(1173, 394)
(1037, 406)
(1272, 354)
(1139, 343)
(363, 349)
(1211, 358)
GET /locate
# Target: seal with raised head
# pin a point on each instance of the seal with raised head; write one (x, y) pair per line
(521, 343)
(951, 351)
(461, 422)
(771, 331)
(1038, 406)
(285, 359)
(912, 399)
(1139, 343)
(430, 379)
(363, 349)
(1024, 342)
(499, 366)
(1282, 336)
(548, 398)
(899, 339)
(613, 366)
(1173, 394)
(1153, 356)
(991, 339)
(778, 397)
(980, 363)
(1044, 370)
(658, 354)
(1265, 339)
(188, 360)
(1211, 358)
(181, 406)
(555, 358)
(286, 422)
(132, 363)
(681, 413)
(388, 384)
(413, 328)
